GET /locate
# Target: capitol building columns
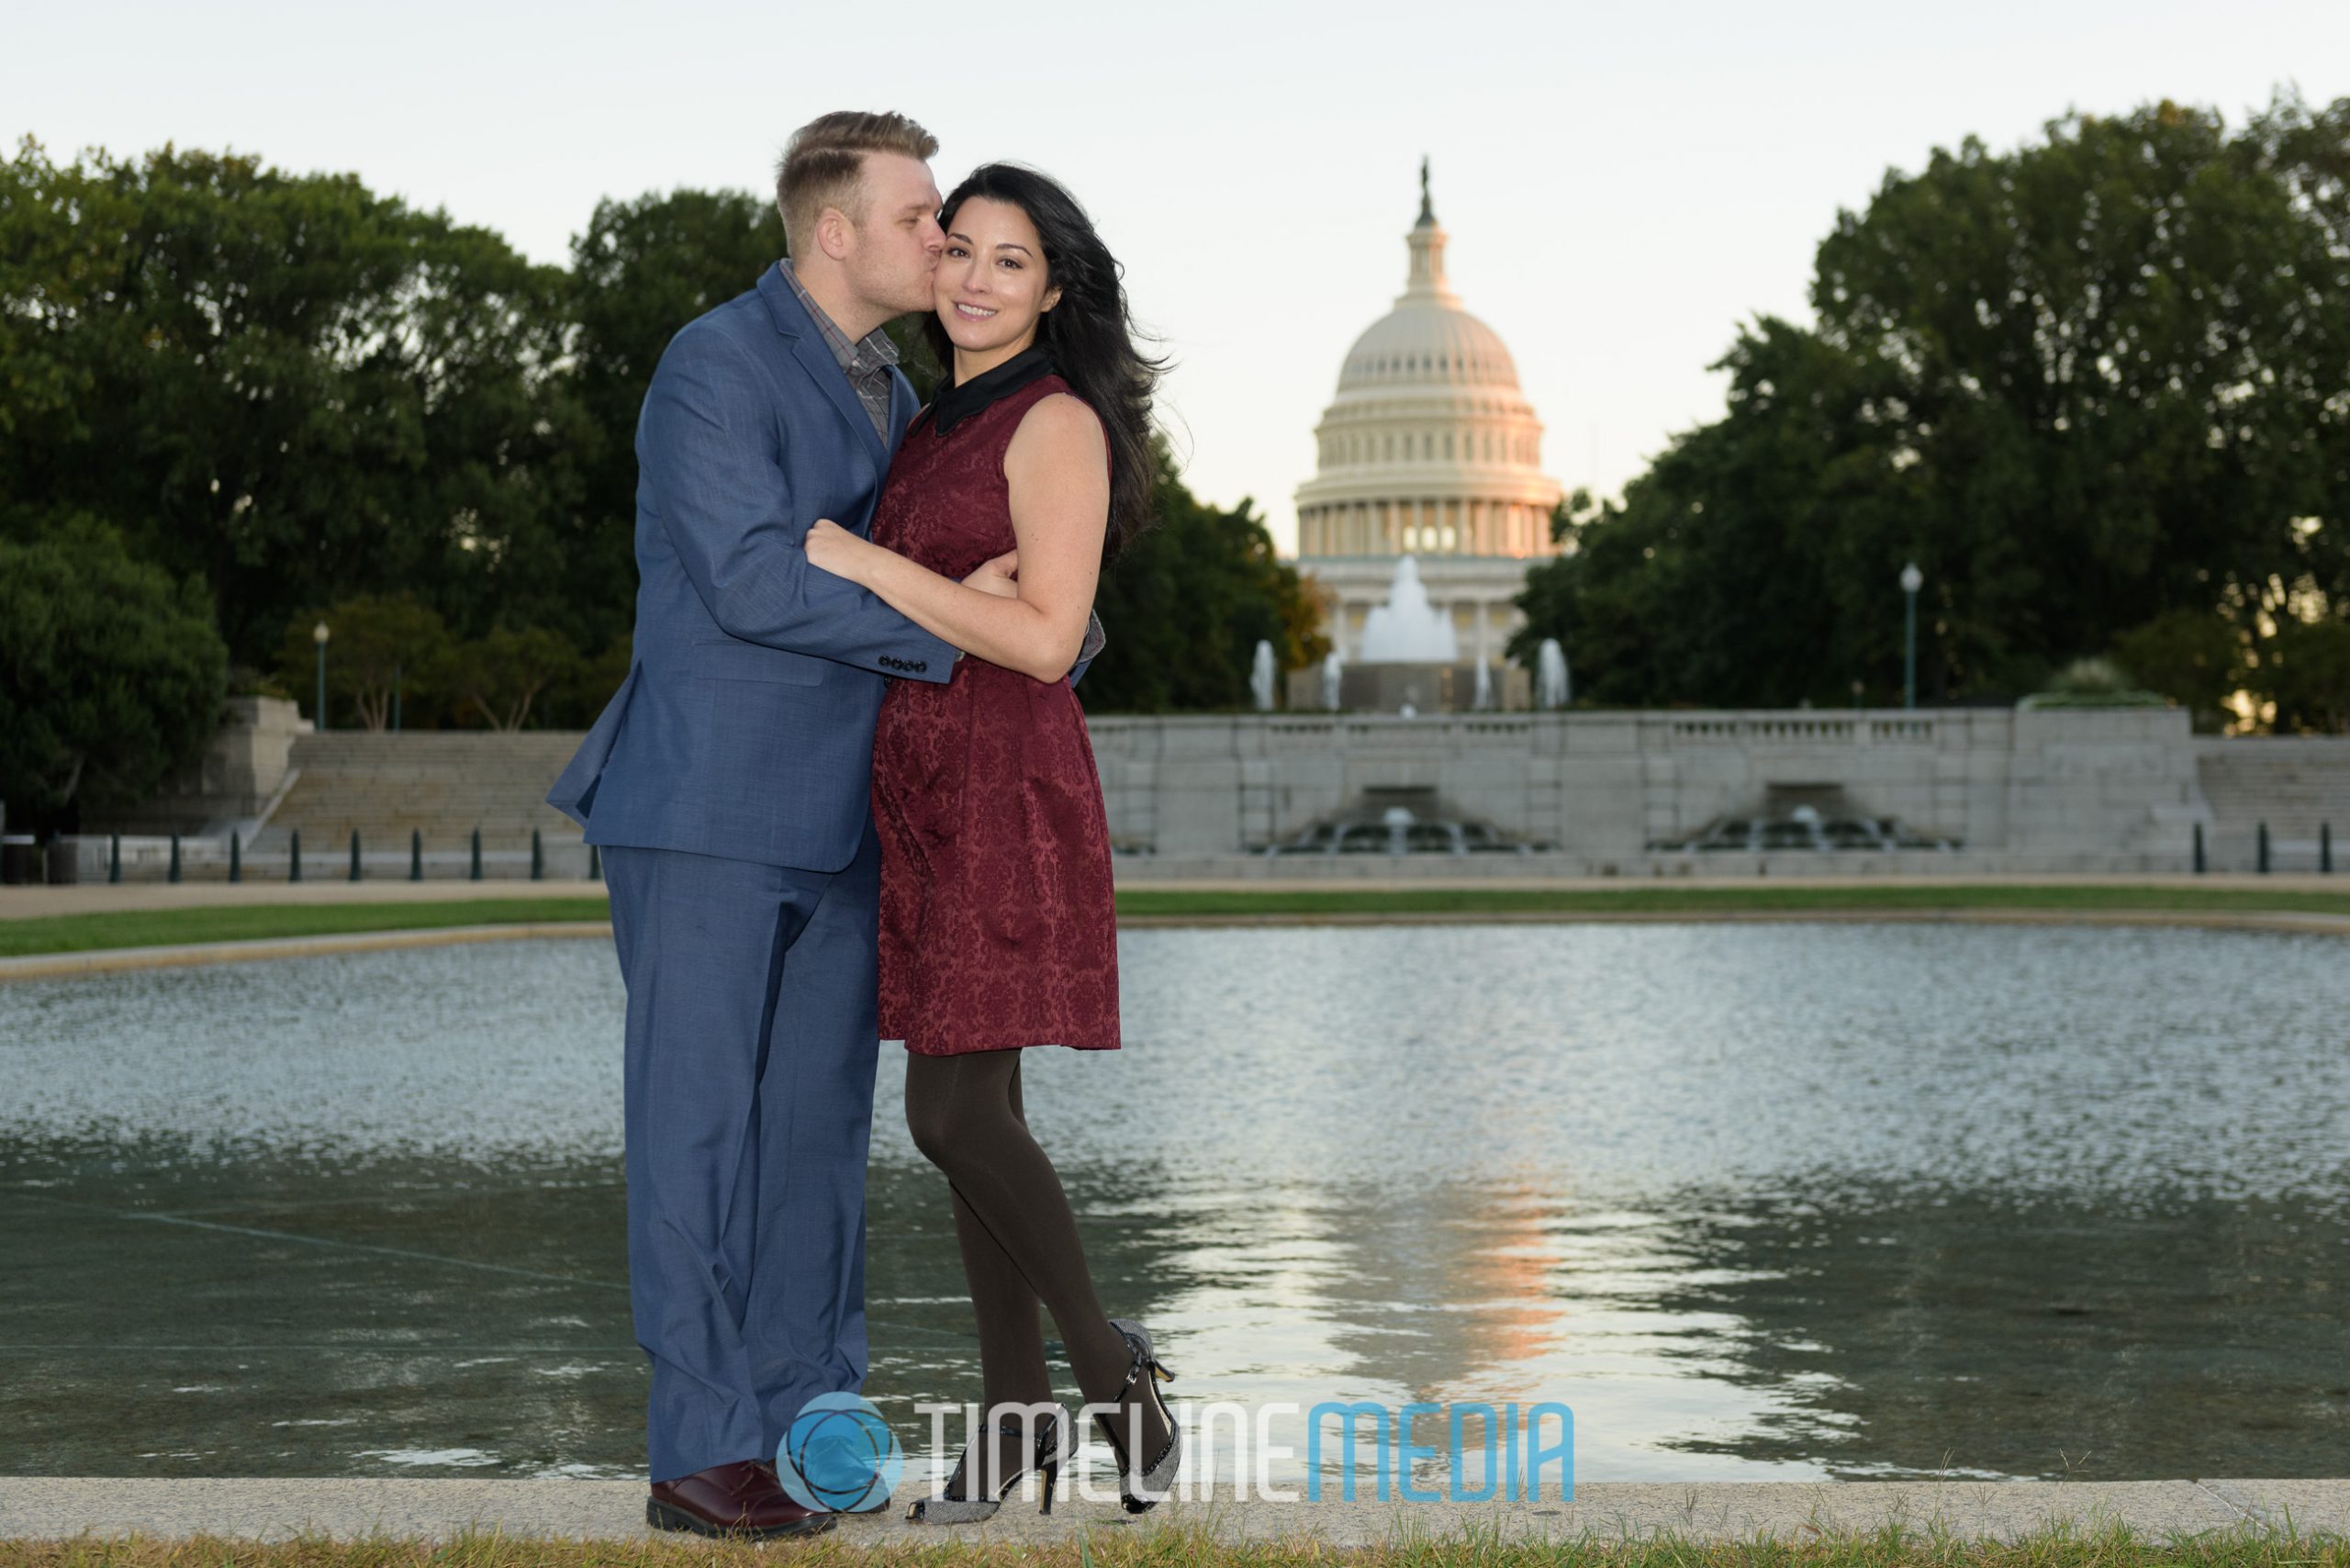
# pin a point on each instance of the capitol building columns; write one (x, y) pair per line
(1427, 525)
(1430, 450)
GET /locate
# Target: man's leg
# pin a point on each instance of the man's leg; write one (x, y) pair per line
(805, 1323)
(701, 943)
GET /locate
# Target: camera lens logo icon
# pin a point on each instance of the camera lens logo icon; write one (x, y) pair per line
(840, 1454)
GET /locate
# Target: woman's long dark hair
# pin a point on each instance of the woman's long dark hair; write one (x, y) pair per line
(1090, 334)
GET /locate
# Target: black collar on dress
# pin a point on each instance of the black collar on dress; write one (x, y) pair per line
(954, 404)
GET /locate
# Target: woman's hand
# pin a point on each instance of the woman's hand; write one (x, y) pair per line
(998, 574)
(836, 549)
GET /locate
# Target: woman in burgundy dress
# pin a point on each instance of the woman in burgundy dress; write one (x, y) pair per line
(997, 926)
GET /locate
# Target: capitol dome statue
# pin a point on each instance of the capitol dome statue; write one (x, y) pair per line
(1428, 449)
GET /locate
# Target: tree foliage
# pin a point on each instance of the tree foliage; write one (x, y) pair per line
(501, 675)
(2198, 658)
(110, 674)
(2083, 384)
(313, 394)
(2309, 677)
(376, 645)
(299, 388)
(1186, 603)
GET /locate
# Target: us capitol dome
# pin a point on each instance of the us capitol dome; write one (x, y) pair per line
(1428, 449)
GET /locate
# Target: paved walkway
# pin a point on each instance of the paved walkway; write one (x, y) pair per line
(101, 897)
(614, 1510)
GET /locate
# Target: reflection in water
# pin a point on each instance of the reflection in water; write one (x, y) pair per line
(1756, 1201)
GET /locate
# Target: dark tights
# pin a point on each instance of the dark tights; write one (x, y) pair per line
(1020, 1248)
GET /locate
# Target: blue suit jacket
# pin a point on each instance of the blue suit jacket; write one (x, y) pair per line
(744, 728)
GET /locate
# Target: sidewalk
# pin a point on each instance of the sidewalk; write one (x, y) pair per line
(614, 1510)
(101, 897)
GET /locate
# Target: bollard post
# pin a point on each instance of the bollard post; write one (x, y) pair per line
(416, 855)
(354, 855)
(2263, 850)
(236, 858)
(2326, 847)
(173, 874)
(293, 858)
(2200, 865)
(595, 864)
(113, 859)
(538, 858)
(476, 871)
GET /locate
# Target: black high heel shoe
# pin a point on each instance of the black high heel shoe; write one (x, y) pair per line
(1139, 1491)
(948, 1508)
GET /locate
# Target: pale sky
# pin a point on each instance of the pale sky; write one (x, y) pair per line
(1623, 185)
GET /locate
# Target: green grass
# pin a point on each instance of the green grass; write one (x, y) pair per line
(1179, 1547)
(235, 922)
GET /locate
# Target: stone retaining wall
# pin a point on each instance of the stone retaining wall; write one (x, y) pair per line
(2083, 791)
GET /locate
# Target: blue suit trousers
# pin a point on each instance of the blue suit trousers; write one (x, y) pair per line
(751, 1043)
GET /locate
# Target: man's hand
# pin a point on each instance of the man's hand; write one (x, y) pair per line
(996, 576)
(835, 548)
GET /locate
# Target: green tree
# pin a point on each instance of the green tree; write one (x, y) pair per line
(1748, 566)
(2082, 383)
(501, 675)
(2195, 657)
(574, 702)
(1184, 606)
(2307, 674)
(111, 675)
(299, 388)
(375, 644)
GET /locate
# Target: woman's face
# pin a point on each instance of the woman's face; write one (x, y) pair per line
(991, 285)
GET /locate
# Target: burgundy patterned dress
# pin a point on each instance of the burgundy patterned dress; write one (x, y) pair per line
(997, 925)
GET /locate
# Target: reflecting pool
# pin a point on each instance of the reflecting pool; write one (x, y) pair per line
(1758, 1200)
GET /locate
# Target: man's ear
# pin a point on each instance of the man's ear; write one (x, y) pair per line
(835, 235)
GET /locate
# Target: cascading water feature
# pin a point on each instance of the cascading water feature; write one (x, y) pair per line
(1407, 629)
(1404, 820)
(1804, 817)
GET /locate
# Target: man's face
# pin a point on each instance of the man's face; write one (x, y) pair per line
(898, 240)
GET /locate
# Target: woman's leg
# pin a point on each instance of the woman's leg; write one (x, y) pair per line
(1012, 1339)
(1014, 1224)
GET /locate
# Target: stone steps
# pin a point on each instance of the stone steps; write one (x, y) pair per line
(442, 786)
(2291, 783)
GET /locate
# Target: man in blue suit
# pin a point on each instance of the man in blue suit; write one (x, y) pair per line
(727, 784)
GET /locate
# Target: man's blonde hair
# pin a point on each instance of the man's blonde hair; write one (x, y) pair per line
(823, 165)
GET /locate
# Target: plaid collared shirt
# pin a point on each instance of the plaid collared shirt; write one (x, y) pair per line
(866, 362)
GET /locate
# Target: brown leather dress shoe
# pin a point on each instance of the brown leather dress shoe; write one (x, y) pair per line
(743, 1500)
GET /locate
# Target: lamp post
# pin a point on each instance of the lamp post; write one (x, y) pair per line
(1912, 579)
(319, 635)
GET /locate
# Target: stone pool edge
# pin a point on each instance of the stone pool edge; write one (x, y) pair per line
(62, 1507)
(107, 960)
